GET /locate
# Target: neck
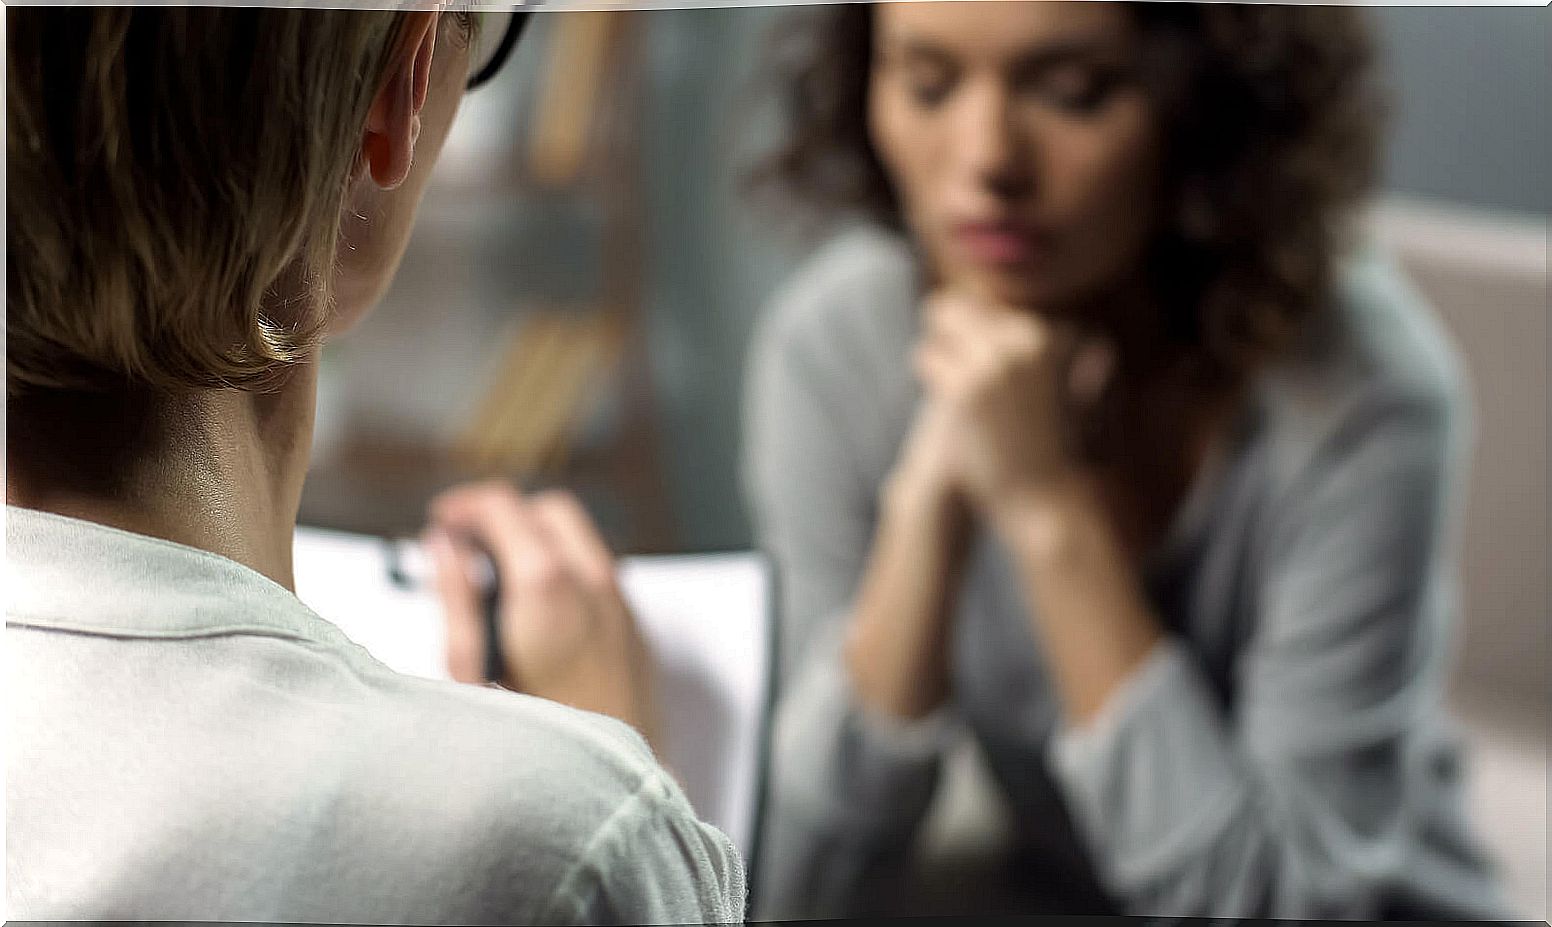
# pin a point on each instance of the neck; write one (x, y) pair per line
(220, 470)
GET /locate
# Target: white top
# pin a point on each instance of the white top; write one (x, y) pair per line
(187, 741)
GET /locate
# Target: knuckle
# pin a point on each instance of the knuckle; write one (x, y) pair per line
(504, 492)
(1024, 335)
(561, 501)
(451, 500)
(544, 574)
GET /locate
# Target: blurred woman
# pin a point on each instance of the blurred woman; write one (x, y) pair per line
(197, 196)
(1095, 437)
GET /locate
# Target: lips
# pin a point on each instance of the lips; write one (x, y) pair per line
(1002, 242)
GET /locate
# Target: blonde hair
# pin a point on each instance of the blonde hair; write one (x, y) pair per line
(173, 172)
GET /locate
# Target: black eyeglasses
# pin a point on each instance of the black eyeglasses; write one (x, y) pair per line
(497, 32)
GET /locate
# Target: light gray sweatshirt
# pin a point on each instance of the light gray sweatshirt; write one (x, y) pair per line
(1284, 752)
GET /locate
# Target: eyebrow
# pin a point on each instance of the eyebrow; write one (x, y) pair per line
(1047, 55)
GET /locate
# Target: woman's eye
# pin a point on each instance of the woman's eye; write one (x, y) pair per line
(930, 93)
(928, 88)
(1075, 92)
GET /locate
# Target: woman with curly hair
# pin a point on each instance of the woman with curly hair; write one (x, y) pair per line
(1097, 439)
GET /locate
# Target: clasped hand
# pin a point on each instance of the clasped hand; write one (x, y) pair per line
(1000, 385)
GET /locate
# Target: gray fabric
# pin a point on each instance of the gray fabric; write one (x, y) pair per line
(1284, 753)
(186, 741)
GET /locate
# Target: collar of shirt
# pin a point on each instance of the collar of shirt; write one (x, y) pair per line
(72, 575)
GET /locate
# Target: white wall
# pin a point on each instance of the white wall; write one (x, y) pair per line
(1486, 275)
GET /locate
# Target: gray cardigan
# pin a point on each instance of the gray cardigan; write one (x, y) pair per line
(1283, 754)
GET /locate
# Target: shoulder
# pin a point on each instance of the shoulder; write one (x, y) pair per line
(506, 748)
(855, 291)
(1377, 367)
(524, 790)
(828, 385)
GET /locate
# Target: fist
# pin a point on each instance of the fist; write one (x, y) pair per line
(566, 632)
(1008, 383)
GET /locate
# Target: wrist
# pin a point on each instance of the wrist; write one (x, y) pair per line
(874, 670)
(918, 493)
(1051, 522)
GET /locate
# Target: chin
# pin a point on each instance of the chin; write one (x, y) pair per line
(1025, 291)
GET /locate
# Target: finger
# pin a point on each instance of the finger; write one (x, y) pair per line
(1018, 335)
(576, 537)
(574, 533)
(495, 516)
(460, 607)
(940, 371)
(460, 499)
(951, 315)
(961, 331)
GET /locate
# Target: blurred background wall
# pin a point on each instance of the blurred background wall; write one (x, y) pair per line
(1471, 86)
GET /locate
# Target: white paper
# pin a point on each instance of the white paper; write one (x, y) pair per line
(704, 617)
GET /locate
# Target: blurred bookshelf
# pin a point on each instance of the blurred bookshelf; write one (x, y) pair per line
(511, 344)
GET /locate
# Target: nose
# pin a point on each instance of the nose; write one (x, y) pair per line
(993, 155)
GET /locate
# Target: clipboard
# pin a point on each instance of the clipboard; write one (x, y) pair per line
(707, 619)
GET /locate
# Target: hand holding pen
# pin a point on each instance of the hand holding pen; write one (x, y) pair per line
(562, 625)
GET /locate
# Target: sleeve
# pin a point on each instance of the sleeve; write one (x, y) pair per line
(846, 787)
(1303, 801)
(653, 862)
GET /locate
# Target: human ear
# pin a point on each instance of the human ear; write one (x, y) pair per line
(393, 122)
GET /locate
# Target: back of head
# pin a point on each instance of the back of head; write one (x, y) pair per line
(176, 177)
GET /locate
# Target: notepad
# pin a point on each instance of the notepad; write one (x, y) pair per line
(705, 618)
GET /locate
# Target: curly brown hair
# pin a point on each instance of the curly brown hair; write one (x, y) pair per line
(1271, 116)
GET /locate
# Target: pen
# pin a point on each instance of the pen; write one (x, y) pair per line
(409, 568)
